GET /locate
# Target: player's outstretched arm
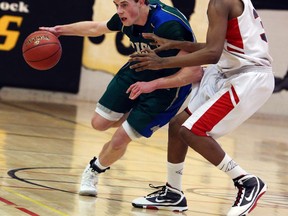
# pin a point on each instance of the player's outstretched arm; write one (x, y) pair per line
(84, 28)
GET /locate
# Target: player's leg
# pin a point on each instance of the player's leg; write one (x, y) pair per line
(110, 153)
(222, 113)
(158, 110)
(109, 112)
(115, 148)
(177, 150)
(169, 197)
(153, 112)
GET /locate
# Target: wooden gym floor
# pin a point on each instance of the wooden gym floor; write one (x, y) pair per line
(44, 148)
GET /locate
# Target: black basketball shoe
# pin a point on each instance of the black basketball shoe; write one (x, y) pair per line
(250, 189)
(166, 198)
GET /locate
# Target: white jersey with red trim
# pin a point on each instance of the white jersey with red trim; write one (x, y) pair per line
(246, 42)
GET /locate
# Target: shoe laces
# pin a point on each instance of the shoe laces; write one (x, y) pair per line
(161, 191)
(239, 194)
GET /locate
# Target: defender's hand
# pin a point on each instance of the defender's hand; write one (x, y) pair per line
(161, 43)
(148, 60)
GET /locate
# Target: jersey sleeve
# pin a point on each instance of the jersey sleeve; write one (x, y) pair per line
(115, 24)
(174, 31)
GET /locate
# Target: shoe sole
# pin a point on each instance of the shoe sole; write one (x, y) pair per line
(167, 208)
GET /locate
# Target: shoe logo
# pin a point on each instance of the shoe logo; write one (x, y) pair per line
(249, 198)
(162, 200)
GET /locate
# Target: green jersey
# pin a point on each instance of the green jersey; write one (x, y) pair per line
(164, 21)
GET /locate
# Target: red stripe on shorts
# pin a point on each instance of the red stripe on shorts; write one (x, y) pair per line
(215, 114)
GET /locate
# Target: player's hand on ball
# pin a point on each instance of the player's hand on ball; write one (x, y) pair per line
(53, 30)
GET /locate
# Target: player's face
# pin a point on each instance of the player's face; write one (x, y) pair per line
(128, 11)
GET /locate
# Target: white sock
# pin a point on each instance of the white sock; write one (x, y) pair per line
(174, 175)
(98, 164)
(230, 167)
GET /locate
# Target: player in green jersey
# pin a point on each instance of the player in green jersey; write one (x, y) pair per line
(140, 117)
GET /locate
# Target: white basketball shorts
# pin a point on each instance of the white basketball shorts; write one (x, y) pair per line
(222, 103)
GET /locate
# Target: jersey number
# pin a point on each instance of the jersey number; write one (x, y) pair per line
(263, 35)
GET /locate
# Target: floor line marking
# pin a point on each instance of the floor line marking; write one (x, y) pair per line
(17, 207)
(36, 202)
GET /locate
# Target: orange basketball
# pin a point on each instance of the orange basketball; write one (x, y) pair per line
(42, 50)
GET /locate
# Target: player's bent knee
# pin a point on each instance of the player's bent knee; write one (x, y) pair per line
(100, 124)
(183, 132)
(174, 126)
(176, 122)
(188, 136)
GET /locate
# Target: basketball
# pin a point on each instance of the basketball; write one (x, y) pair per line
(41, 50)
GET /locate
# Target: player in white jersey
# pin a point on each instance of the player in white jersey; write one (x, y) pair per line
(237, 82)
